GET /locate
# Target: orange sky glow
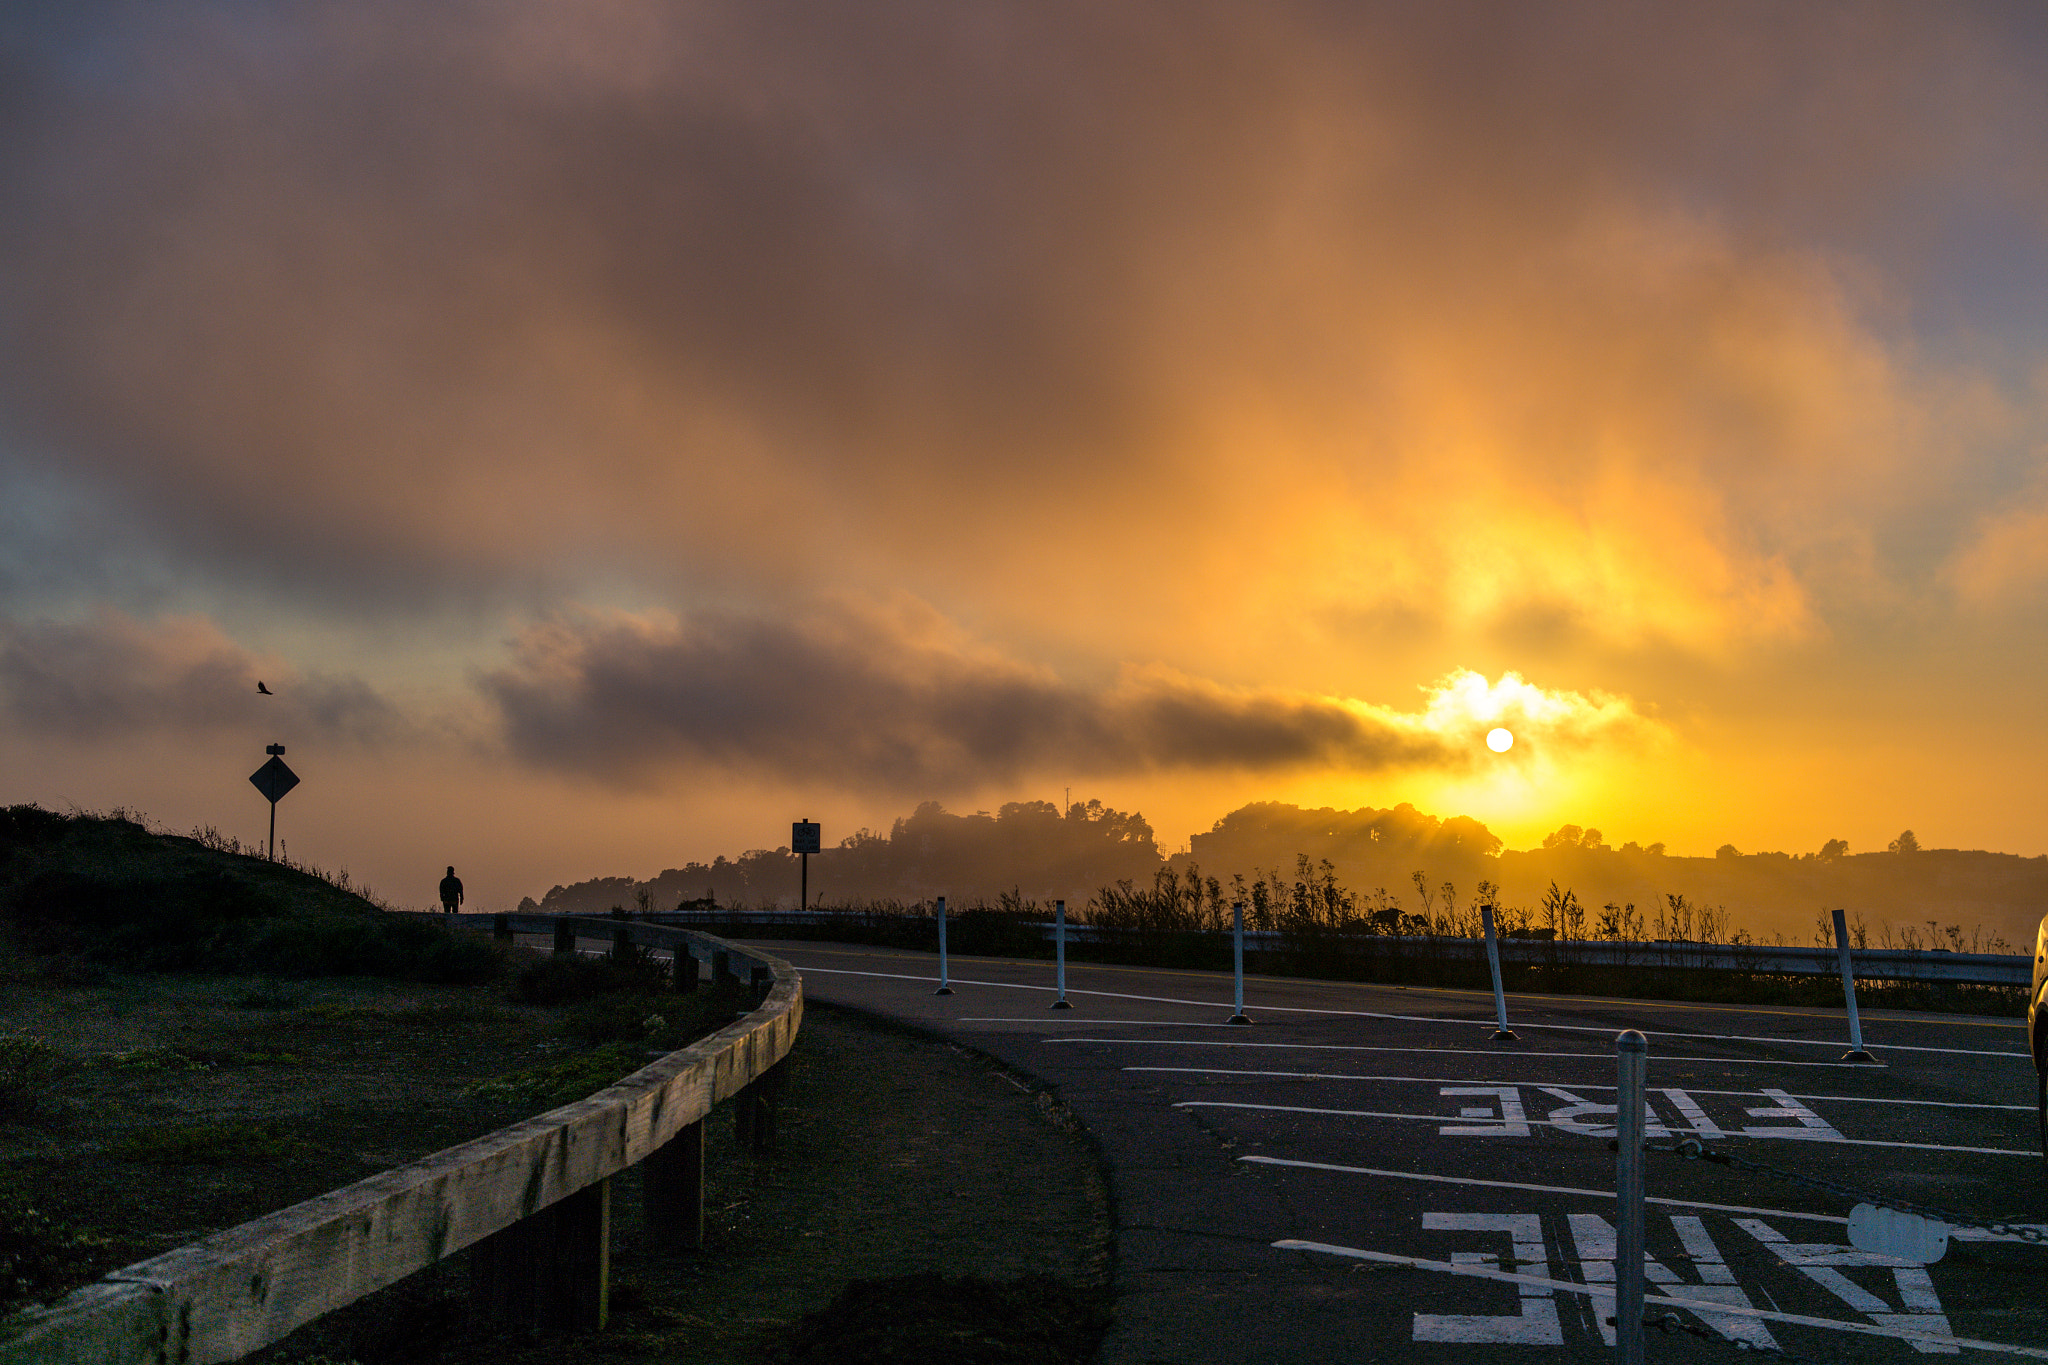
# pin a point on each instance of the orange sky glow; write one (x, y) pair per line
(616, 431)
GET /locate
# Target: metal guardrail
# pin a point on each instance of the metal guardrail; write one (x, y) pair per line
(535, 1194)
(1872, 964)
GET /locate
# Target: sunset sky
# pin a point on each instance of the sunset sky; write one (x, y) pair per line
(616, 430)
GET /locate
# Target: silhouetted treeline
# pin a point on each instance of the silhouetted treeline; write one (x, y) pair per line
(1028, 849)
(1396, 870)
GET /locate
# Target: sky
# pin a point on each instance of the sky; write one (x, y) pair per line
(615, 431)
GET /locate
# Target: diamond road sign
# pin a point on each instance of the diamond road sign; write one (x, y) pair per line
(274, 779)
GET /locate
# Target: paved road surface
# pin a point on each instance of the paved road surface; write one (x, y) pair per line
(1384, 1120)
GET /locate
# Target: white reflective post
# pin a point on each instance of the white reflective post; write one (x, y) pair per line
(945, 985)
(1855, 1052)
(1632, 1054)
(1237, 959)
(1059, 948)
(1501, 1034)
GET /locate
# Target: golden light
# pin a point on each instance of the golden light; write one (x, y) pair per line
(1498, 739)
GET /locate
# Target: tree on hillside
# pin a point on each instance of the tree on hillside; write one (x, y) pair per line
(1905, 843)
(1834, 850)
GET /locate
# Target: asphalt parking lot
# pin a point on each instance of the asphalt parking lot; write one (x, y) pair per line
(1307, 1188)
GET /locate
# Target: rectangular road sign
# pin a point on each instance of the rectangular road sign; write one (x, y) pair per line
(274, 779)
(803, 837)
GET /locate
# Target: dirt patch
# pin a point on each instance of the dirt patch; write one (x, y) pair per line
(192, 1104)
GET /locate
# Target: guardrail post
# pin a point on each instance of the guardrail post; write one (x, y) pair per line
(1632, 1055)
(1502, 1034)
(1855, 1052)
(945, 984)
(552, 1270)
(721, 967)
(565, 937)
(1237, 961)
(501, 927)
(1059, 948)
(684, 968)
(762, 982)
(672, 1189)
(753, 1111)
(622, 944)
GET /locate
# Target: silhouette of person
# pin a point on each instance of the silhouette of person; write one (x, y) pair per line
(451, 892)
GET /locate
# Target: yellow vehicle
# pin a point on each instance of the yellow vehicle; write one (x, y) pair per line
(2037, 1029)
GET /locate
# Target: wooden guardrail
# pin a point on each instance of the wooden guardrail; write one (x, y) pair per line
(533, 1199)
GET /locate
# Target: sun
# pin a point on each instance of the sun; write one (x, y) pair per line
(1499, 740)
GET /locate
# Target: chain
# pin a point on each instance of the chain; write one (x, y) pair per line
(1692, 1149)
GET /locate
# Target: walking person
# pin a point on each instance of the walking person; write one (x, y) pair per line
(451, 892)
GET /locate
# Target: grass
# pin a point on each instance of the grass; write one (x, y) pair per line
(28, 1064)
(38, 1253)
(88, 893)
(217, 1144)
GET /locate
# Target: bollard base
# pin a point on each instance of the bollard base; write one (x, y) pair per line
(1859, 1055)
(1506, 1035)
(1061, 1005)
(1239, 1019)
(943, 990)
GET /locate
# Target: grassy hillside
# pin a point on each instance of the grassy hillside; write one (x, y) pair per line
(92, 891)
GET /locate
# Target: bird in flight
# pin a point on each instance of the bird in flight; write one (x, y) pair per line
(264, 690)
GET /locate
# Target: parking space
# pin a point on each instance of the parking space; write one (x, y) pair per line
(1364, 1172)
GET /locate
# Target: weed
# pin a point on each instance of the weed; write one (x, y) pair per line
(220, 1144)
(548, 1085)
(151, 1059)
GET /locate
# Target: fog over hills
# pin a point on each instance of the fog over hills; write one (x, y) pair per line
(1398, 859)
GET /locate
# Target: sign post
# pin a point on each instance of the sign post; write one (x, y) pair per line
(274, 779)
(803, 840)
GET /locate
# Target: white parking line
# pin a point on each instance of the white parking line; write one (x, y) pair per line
(1702, 1307)
(1538, 1189)
(1422, 1018)
(1493, 1052)
(1793, 1134)
(1467, 1080)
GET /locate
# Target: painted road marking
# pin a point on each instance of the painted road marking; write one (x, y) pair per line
(1493, 1052)
(1690, 1305)
(1819, 1262)
(1957, 1234)
(1568, 1120)
(1417, 1018)
(1593, 1240)
(1536, 1324)
(1682, 1099)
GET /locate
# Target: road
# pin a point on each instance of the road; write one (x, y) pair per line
(1384, 1120)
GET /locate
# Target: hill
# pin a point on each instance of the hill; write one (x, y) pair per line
(86, 892)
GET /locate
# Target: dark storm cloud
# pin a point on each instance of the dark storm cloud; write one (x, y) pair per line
(114, 677)
(891, 705)
(390, 301)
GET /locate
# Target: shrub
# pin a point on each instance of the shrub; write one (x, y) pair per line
(565, 978)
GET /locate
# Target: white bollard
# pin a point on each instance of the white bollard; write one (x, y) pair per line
(1632, 1054)
(1059, 948)
(945, 985)
(1237, 955)
(1502, 1033)
(1855, 1052)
